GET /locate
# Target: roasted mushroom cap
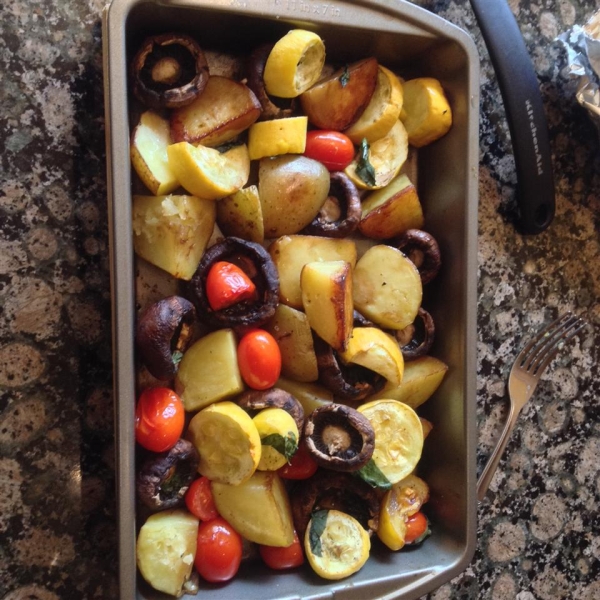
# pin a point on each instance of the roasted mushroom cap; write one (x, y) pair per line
(273, 398)
(344, 195)
(339, 437)
(339, 491)
(163, 332)
(256, 82)
(164, 478)
(349, 383)
(256, 262)
(416, 339)
(423, 250)
(169, 71)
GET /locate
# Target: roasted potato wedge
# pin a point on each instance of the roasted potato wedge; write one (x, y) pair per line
(422, 377)
(387, 287)
(327, 300)
(258, 509)
(292, 189)
(311, 395)
(291, 329)
(240, 215)
(172, 232)
(339, 100)
(392, 210)
(222, 111)
(376, 165)
(291, 252)
(149, 141)
(209, 370)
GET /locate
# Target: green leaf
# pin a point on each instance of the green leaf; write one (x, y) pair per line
(364, 169)
(286, 446)
(345, 76)
(318, 522)
(372, 474)
(176, 357)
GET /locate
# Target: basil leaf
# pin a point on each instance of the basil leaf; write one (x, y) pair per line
(364, 169)
(318, 521)
(372, 474)
(286, 446)
(345, 76)
(176, 357)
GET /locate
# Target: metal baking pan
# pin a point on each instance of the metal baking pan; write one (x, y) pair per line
(413, 42)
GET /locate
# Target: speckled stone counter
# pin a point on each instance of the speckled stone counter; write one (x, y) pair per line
(539, 528)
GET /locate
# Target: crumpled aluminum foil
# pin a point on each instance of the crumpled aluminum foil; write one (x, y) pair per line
(582, 45)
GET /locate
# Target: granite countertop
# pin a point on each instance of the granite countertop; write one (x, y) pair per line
(539, 529)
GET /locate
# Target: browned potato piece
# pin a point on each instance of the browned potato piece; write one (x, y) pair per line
(291, 329)
(172, 232)
(240, 215)
(292, 189)
(421, 379)
(310, 395)
(291, 252)
(339, 100)
(222, 111)
(387, 287)
(258, 509)
(209, 371)
(327, 300)
(392, 210)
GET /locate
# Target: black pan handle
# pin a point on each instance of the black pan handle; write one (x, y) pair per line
(524, 111)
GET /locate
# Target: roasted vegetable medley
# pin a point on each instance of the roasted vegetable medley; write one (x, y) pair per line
(282, 342)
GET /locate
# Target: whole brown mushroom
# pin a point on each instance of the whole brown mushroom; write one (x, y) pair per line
(252, 400)
(169, 71)
(423, 250)
(338, 437)
(163, 332)
(416, 339)
(344, 194)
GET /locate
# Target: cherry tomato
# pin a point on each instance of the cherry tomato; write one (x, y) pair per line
(219, 551)
(259, 359)
(199, 500)
(227, 284)
(283, 558)
(301, 465)
(417, 526)
(332, 148)
(159, 419)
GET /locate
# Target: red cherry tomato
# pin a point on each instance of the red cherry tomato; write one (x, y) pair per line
(159, 419)
(227, 284)
(259, 359)
(199, 500)
(332, 148)
(417, 526)
(301, 465)
(219, 550)
(283, 558)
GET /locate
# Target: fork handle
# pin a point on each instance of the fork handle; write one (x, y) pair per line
(490, 468)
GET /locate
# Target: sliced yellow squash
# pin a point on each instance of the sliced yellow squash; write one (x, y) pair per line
(279, 136)
(378, 163)
(208, 173)
(294, 64)
(228, 443)
(372, 348)
(336, 544)
(426, 112)
(382, 112)
(279, 438)
(398, 437)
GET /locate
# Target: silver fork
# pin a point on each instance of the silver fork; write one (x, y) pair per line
(524, 376)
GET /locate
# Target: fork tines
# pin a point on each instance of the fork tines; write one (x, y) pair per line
(538, 353)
